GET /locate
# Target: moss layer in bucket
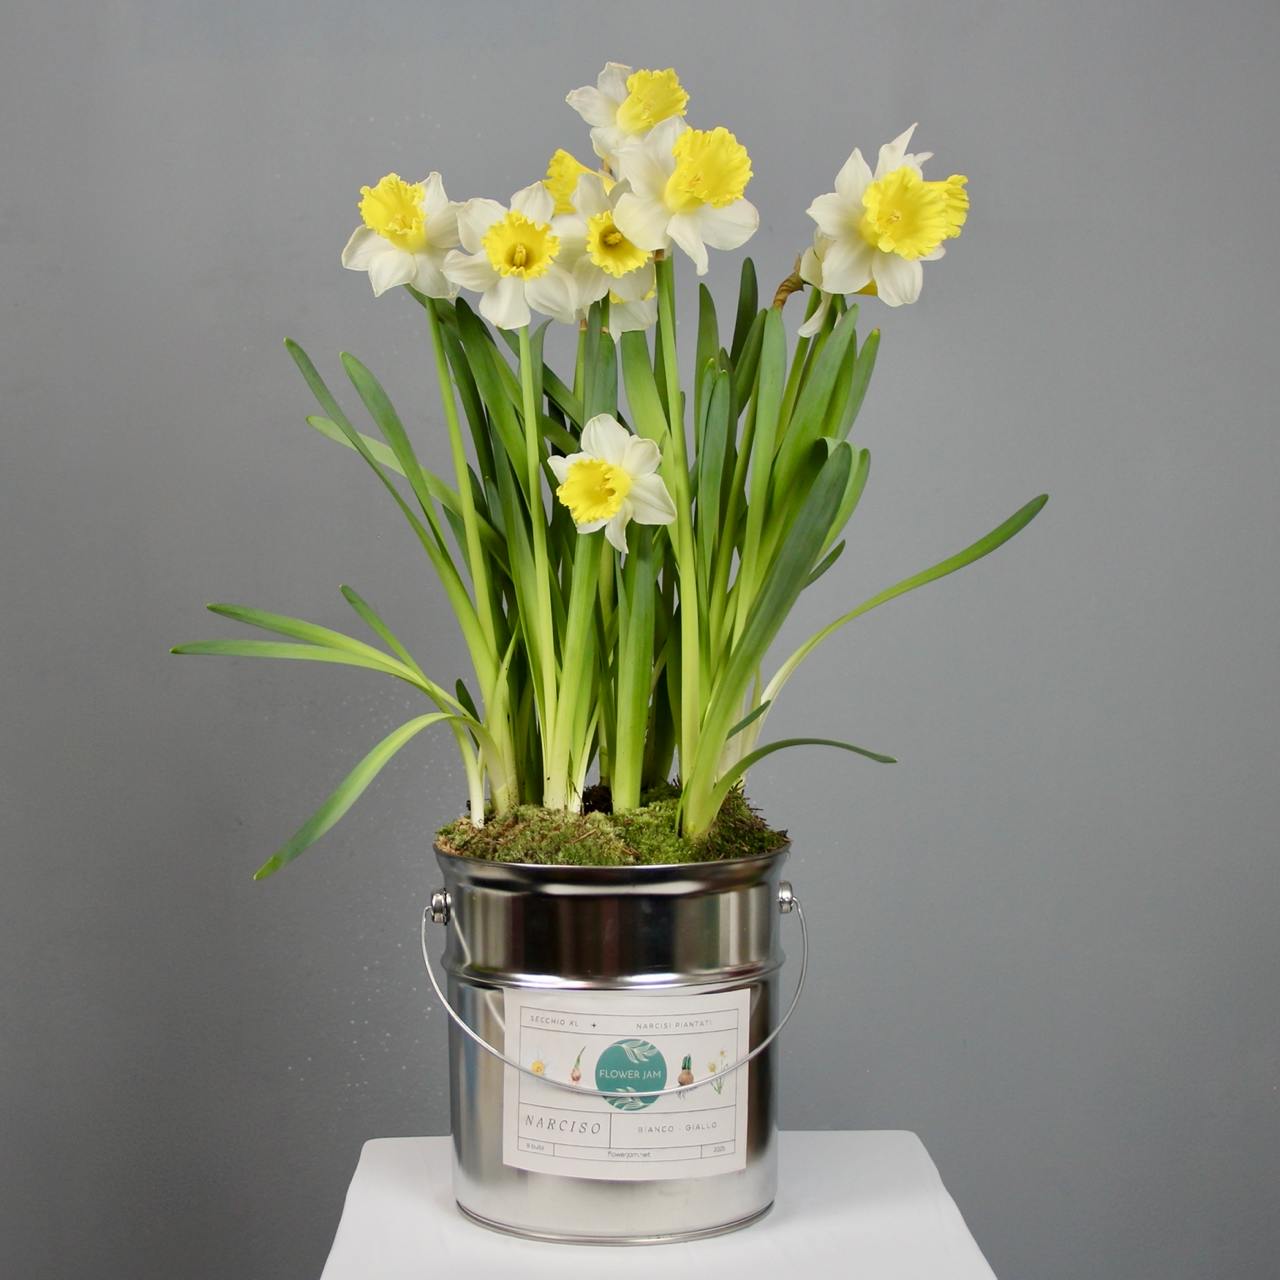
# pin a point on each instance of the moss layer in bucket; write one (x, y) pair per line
(599, 838)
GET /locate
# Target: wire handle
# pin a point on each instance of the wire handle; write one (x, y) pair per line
(438, 913)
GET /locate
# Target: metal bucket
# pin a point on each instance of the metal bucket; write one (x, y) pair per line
(636, 969)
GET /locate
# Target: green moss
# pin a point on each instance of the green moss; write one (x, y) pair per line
(643, 836)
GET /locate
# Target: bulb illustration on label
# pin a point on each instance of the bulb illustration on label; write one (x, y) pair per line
(575, 1072)
(686, 1070)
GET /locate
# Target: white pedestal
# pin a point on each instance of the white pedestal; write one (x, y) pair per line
(868, 1205)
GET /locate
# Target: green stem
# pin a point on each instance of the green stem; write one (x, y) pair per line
(686, 558)
(544, 623)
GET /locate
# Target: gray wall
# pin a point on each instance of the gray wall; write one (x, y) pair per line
(1046, 941)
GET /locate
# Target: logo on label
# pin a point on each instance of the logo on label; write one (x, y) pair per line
(626, 1070)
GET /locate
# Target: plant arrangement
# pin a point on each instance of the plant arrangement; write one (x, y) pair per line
(620, 545)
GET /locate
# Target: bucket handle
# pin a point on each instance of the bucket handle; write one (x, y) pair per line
(438, 913)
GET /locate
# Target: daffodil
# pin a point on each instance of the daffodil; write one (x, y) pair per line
(625, 105)
(408, 228)
(612, 481)
(595, 258)
(506, 253)
(877, 228)
(686, 185)
(563, 172)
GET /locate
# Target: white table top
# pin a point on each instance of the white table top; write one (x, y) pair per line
(861, 1204)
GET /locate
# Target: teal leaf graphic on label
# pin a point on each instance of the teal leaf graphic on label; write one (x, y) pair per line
(629, 1069)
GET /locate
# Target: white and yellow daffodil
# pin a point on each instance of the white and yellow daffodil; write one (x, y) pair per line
(595, 258)
(625, 105)
(686, 185)
(506, 254)
(563, 172)
(408, 228)
(877, 228)
(613, 481)
(628, 313)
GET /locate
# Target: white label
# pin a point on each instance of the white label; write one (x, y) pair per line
(613, 1048)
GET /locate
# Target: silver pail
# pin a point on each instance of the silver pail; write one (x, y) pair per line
(638, 969)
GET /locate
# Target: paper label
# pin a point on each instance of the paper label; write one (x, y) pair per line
(612, 1047)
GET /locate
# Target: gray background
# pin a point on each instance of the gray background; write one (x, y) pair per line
(1046, 941)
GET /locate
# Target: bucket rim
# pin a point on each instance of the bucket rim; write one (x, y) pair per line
(731, 870)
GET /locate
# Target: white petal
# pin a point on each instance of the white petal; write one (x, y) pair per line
(474, 219)
(612, 81)
(429, 279)
(898, 281)
(846, 266)
(854, 177)
(728, 227)
(554, 295)
(811, 267)
(814, 322)
(635, 285)
(592, 105)
(589, 196)
(645, 168)
(934, 254)
(834, 214)
(504, 305)
(642, 221)
(626, 317)
(560, 466)
(435, 199)
(616, 529)
(535, 202)
(891, 153)
(685, 230)
(662, 137)
(361, 249)
(642, 457)
(442, 227)
(390, 269)
(592, 526)
(470, 270)
(650, 501)
(604, 437)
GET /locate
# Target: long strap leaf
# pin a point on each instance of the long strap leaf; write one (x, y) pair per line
(984, 546)
(347, 793)
(731, 776)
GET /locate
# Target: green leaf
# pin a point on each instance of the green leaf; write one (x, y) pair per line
(647, 413)
(827, 561)
(298, 629)
(710, 465)
(748, 305)
(746, 720)
(862, 369)
(447, 497)
(330, 429)
(983, 547)
(815, 399)
(379, 628)
(347, 793)
(782, 584)
(708, 345)
(722, 788)
(298, 652)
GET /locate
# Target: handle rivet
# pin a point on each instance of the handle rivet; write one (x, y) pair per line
(786, 897)
(441, 903)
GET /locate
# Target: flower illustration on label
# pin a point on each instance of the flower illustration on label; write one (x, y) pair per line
(628, 1071)
(713, 1067)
